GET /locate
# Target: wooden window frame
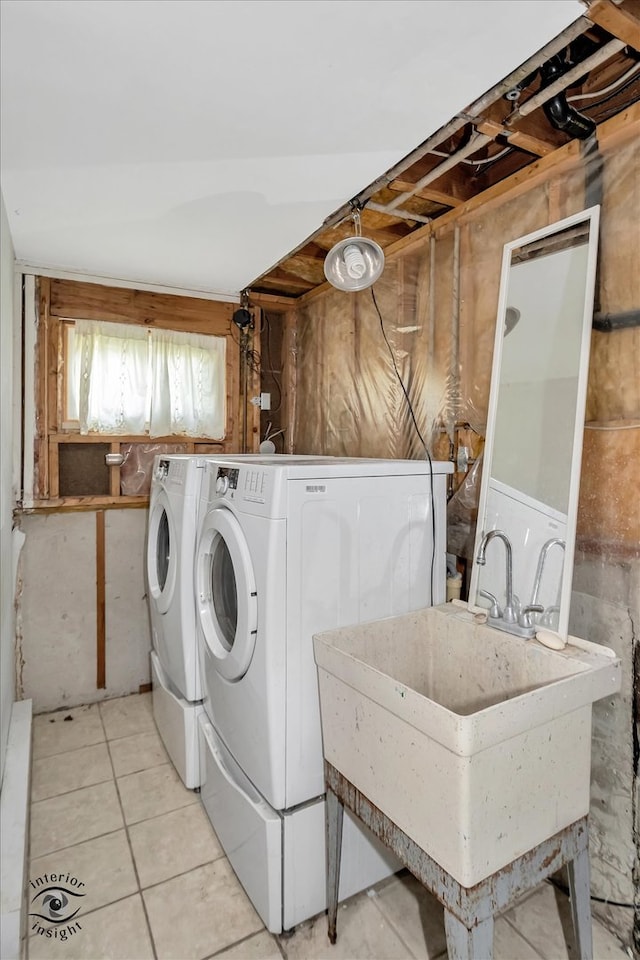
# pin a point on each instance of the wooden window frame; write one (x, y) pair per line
(59, 301)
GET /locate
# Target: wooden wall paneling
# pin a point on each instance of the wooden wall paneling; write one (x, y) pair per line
(41, 452)
(54, 395)
(234, 413)
(289, 379)
(271, 373)
(114, 472)
(73, 300)
(54, 468)
(253, 440)
(101, 623)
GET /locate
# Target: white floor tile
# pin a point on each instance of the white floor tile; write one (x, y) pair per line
(66, 730)
(104, 866)
(363, 934)
(195, 904)
(173, 843)
(139, 752)
(69, 771)
(73, 817)
(415, 915)
(116, 932)
(262, 946)
(199, 913)
(152, 792)
(544, 919)
(126, 716)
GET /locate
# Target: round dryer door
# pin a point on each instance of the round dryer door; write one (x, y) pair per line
(226, 593)
(161, 554)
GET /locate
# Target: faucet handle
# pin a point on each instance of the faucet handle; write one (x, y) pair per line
(525, 619)
(495, 612)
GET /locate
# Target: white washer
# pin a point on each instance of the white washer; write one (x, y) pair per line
(288, 547)
(175, 669)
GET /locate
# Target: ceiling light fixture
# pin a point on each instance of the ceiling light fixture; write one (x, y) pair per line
(355, 263)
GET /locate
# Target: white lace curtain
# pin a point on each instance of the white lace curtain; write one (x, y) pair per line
(125, 379)
(188, 384)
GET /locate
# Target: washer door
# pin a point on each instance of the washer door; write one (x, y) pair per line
(162, 551)
(226, 593)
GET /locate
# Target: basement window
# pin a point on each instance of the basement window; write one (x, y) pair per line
(120, 376)
(122, 379)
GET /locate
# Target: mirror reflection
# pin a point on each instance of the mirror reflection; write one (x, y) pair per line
(523, 555)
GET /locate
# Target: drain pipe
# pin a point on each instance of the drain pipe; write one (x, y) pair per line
(558, 112)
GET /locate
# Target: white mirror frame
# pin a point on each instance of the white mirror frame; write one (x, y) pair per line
(591, 215)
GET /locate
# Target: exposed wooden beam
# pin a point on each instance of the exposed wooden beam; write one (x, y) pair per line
(271, 300)
(306, 268)
(621, 128)
(428, 193)
(281, 279)
(539, 148)
(101, 627)
(619, 21)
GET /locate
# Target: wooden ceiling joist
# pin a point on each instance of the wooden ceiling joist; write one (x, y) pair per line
(539, 148)
(619, 20)
(499, 142)
(442, 197)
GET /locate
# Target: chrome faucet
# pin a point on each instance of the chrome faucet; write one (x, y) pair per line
(508, 614)
(555, 541)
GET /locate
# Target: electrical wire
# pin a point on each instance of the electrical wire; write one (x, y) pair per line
(604, 426)
(612, 86)
(422, 441)
(270, 362)
(599, 103)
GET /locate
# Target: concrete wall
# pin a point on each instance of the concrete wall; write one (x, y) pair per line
(7, 684)
(605, 608)
(57, 611)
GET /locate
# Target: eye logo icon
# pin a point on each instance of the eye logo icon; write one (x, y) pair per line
(55, 904)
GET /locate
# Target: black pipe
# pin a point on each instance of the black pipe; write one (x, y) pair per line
(558, 112)
(606, 322)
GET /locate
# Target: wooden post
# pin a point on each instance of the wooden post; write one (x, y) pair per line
(101, 633)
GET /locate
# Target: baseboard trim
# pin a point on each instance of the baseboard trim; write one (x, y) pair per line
(14, 829)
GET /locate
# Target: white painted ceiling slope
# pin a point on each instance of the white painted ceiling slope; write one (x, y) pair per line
(193, 143)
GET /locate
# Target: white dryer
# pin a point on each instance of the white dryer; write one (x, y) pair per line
(175, 668)
(286, 548)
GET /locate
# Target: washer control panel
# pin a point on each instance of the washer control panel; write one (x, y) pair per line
(226, 479)
(254, 485)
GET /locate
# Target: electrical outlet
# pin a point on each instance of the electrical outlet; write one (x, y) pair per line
(265, 401)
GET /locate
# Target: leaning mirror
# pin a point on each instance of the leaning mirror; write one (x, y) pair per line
(525, 537)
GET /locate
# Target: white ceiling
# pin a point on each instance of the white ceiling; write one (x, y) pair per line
(193, 143)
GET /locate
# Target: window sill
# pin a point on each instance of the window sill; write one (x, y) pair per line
(75, 504)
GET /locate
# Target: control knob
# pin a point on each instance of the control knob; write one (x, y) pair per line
(222, 485)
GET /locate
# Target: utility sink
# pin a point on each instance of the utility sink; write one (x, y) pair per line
(477, 744)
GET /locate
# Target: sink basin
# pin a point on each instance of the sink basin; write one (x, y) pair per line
(477, 744)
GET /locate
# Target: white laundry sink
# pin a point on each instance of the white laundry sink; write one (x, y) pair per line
(476, 743)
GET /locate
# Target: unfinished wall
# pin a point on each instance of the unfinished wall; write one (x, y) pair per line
(437, 301)
(57, 622)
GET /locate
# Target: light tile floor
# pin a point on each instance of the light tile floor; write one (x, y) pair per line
(109, 810)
